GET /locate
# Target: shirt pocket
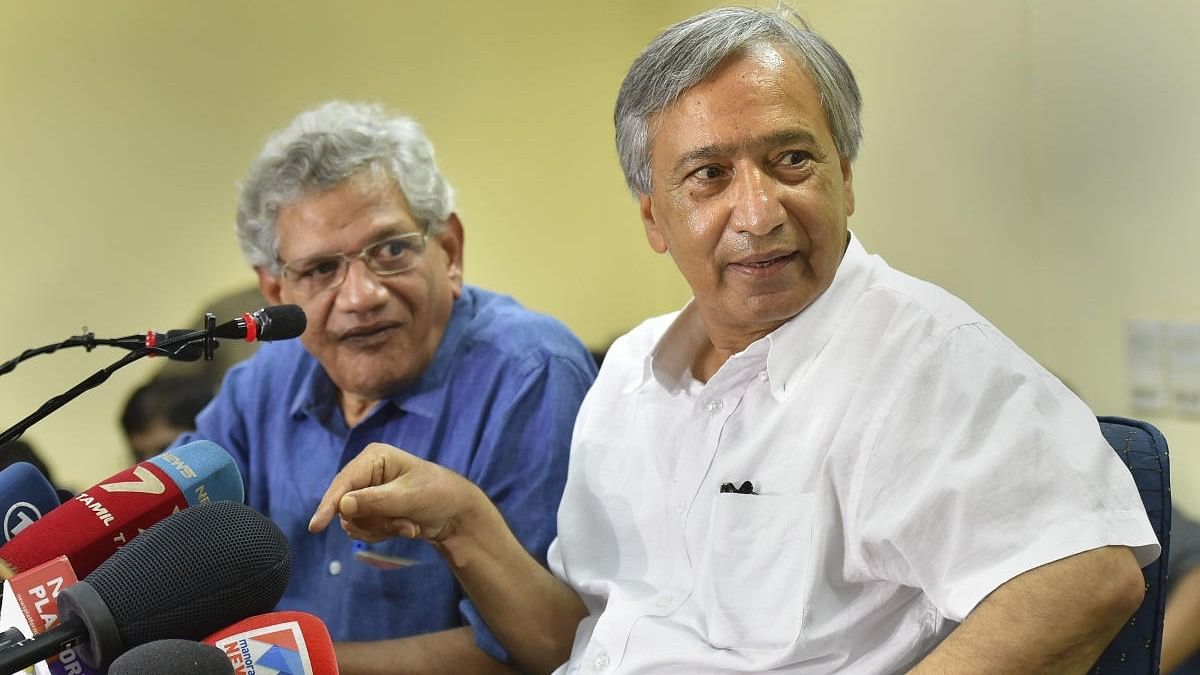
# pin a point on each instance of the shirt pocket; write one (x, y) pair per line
(754, 587)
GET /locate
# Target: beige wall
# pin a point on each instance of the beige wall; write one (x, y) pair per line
(1039, 159)
(125, 126)
(1035, 158)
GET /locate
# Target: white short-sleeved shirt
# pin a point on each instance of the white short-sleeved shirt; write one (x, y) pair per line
(908, 459)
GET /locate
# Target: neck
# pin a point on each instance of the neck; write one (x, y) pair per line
(713, 355)
(355, 408)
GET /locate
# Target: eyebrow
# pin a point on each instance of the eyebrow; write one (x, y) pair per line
(771, 140)
(386, 232)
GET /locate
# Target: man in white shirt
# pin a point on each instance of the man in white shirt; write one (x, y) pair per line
(820, 464)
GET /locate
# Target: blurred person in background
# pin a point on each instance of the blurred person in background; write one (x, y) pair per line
(158, 411)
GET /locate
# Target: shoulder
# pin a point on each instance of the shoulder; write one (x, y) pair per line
(276, 368)
(914, 304)
(636, 345)
(501, 328)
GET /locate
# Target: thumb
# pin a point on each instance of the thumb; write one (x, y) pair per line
(378, 501)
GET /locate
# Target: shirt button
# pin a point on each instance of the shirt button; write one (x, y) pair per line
(714, 406)
(681, 507)
(762, 376)
(601, 662)
(664, 601)
(335, 568)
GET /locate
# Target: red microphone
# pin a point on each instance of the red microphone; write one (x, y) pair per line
(279, 642)
(92, 525)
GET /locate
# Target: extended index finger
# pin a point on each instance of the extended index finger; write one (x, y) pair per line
(369, 468)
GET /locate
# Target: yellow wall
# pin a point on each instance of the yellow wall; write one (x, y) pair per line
(125, 127)
(1035, 158)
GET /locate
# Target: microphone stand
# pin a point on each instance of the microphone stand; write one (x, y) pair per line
(168, 347)
(89, 341)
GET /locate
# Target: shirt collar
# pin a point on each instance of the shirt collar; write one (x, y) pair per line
(796, 344)
(318, 396)
(788, 350)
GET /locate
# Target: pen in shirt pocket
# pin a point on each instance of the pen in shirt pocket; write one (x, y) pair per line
(382, 561)
(746, 488)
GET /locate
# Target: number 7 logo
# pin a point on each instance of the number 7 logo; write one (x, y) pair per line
(148, 483)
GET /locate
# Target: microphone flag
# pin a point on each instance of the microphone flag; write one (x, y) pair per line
(31, 606)
(278, 643)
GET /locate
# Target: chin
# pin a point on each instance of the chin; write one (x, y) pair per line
(374, 378)
(778, 308)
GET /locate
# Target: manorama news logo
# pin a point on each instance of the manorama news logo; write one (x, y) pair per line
(271, 650)
(20, 516)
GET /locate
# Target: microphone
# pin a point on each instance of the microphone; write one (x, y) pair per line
(25, 496)
(95, 523)
(184, 577)
(297, 643)
(277, 322)
(178, 657)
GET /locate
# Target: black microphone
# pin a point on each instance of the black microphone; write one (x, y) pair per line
(277, 322)
(185, 577)
(178, 657)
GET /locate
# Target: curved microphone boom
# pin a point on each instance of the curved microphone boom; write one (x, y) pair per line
(185, 577)
(277, 322)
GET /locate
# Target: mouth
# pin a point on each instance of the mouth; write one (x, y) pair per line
(366, 333)
(764, 263)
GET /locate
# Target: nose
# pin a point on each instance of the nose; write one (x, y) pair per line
(757, 209)
(362, 290)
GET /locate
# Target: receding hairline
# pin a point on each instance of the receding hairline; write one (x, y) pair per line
(368, 182)
(790, 54)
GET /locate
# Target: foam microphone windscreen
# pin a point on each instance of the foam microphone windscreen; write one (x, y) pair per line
(296, 643)
(93, 524)
(208, 567)
(177, 657)
(185, 577)
(280, 322)
(25, 496)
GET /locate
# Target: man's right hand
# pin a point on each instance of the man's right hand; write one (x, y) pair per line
(385, 492)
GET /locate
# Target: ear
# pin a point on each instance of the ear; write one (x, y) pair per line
(654, 233)
(451, 241)
(848, 185)
(269, 284)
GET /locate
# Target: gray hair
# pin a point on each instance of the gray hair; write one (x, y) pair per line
(326, 146)
(687, 52)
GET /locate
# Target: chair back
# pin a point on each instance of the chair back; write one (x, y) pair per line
(1144, 451)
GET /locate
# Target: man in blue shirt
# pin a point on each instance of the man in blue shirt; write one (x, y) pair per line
(345, 214)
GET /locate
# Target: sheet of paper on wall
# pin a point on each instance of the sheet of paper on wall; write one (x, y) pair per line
(1184, 367)
(1146, 348)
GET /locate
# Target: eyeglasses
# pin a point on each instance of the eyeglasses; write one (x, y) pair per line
(393, 255)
